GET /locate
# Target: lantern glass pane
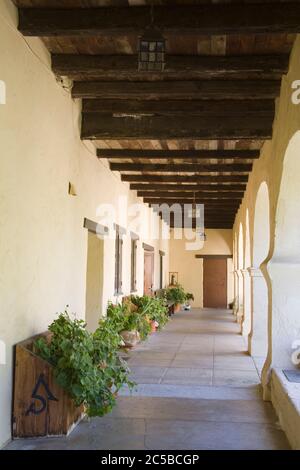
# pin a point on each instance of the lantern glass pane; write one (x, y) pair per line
(151, 53)
(144, 56)
(144, 46)
(152, 46)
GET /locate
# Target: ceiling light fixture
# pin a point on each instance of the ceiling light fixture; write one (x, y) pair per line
(152, 48)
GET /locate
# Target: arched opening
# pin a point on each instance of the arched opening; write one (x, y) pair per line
(240, 312)
(246, 326)
(258, 340)
(236, 280)
(284, 267)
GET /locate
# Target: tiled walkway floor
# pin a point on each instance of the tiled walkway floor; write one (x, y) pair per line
(197, 389)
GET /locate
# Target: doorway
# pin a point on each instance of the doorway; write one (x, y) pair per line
(148, 272)
(94, 281)
(215, 282)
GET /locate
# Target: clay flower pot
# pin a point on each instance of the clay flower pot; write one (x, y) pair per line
(177, 308)
(130, 338)
(154, 326)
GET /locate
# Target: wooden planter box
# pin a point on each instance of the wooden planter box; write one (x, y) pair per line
(40, 406)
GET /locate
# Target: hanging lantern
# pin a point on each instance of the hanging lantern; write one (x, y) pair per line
(152, 49)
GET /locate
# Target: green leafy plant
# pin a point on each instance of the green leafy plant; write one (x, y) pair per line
(86, 365)
(176, 294)
(137, 321)
(189, 297)
(116, 316)
(154, 307)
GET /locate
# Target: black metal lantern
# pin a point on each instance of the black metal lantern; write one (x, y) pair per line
(152, 49)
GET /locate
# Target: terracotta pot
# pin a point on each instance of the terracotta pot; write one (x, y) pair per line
(177, 308)
(153, 326)
(130, 338)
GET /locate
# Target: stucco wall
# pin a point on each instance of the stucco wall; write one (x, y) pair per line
(190, 269)
(43, 248)
(283, 324)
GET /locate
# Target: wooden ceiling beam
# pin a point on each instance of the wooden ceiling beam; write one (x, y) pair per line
(180, 19)
(135, 107)
(188, 194)
(186, 168)
(188, 187)
(209, 210)
(211, 225)
(180, 154)
(179, 90)
(107, 127)
(198, 179)
(232, 203)
(124, 67)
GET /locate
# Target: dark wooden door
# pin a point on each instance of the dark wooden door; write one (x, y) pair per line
(215, 283)
(148, 273)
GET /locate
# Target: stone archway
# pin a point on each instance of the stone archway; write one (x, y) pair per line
(236, 279)
(240, 265)
(258, 339)
(246, 325)
(284, 267)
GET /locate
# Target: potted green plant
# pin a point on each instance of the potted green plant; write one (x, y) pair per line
(177, 296)
(86, 365)
(154, 308)
(189, 298)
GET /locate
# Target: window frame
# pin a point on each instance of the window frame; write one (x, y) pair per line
(118, 262)
(133, 274)
(161, 269)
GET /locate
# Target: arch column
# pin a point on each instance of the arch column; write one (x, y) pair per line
(246, 324)
(236, 292)
(258, 338)
(240, 311)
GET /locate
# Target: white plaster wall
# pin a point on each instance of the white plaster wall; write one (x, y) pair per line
(43, 246)
(190, 269)
(285, 399)
(281, 273)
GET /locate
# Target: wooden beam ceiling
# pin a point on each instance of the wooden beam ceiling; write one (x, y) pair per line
(102, 126)
(135, 107)
(186, 168)
(124, 67)
(198, 179)
(179, 90)
(196, 127)
(182, 194)
(188, 187)
(221, 203)
(179, 154)
(201, 19)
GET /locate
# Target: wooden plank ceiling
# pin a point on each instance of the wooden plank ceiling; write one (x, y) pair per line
(193, 131)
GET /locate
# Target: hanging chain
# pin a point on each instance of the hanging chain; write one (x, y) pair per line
(152, 13)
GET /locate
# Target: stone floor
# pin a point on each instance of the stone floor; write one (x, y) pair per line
(197, 388)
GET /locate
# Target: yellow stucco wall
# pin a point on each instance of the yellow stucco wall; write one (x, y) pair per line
(190, 269)
(43, 248)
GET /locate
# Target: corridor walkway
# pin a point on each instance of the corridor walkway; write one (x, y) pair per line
(197, 389)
